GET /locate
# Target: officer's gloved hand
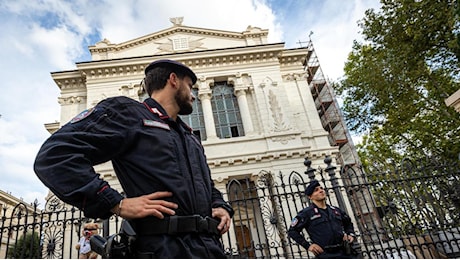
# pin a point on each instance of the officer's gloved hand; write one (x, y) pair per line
(348, 238)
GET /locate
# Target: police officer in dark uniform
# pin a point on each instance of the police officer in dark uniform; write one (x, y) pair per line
(330, 228)
(171, 201)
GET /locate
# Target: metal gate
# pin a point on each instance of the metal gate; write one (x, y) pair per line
(405, 210)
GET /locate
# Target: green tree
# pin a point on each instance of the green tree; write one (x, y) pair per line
(27, 247)
(396, 82)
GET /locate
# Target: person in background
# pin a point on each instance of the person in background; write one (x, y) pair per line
(171, 201)
(329, 228)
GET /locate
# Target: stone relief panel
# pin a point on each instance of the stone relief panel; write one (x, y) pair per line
(279, 124)
(167, 45)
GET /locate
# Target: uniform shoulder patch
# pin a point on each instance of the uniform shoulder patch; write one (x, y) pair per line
(84, 114)
(294, 222)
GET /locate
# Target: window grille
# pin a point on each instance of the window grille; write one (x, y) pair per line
(227, 117)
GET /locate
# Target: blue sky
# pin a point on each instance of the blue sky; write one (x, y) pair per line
(44, 36)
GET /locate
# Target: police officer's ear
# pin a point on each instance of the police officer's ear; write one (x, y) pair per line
(173, 80)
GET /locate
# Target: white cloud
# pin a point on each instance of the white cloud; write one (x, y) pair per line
(59, 45)
(124, 21)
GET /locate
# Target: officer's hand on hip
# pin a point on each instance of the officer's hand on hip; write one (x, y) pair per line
(224, 217)
(315, 249)
(146, 205)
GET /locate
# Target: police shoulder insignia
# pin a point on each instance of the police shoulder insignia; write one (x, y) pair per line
(82, 115)
(152, 123)
(315, 216)
(294, 222)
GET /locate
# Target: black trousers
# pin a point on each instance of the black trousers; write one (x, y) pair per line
(193, 245)
(340, 254)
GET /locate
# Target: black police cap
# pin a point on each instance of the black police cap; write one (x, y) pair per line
(174, 64)
(311, 187)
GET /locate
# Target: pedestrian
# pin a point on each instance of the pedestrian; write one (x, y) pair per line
(330, 229)
(171, 201)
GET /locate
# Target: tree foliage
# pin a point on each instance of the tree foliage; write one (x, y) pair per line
(27, 247)
(396, 83)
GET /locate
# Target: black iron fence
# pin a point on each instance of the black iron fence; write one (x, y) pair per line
(405, 210)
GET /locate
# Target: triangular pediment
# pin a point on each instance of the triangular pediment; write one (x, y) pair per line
(178, 39)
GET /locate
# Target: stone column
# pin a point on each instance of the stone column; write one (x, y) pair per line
(240, 93)
(205, 94)
(244, 110)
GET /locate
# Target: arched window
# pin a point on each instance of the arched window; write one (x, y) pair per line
(196, 120)
(226, 112)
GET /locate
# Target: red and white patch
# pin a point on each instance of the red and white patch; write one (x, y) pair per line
(82, 115)
(294, 222)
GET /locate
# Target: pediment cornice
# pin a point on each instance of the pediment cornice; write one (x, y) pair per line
(106, 46)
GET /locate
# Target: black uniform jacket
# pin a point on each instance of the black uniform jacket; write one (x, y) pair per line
(325, 227)
(149, 151)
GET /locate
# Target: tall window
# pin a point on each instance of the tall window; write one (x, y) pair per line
(226, 111)
(196, 120)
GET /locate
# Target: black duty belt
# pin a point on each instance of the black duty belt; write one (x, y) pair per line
(333, 248)
(176, 225)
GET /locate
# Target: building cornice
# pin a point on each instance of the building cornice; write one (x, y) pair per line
(270, 156)
(69, 80)
(134, 66)
(293, 57)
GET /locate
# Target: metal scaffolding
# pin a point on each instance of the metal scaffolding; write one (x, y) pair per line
(329, 111)
(351, 171)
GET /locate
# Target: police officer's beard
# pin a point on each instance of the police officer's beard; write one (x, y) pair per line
(185, 107)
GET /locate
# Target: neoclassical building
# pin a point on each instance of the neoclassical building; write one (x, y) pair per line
(254, 109)
(260, 106)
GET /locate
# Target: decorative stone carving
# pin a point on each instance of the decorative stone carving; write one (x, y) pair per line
(167, 47)
(279, 125)
(176, 21)
(71, 100)
(103, 43)
(283, 139)
(295, 76)
(132, 90)
(268, 82)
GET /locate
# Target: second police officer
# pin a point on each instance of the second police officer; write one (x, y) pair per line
(330, 229)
